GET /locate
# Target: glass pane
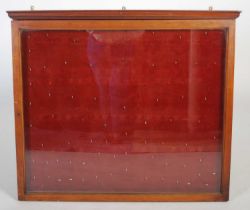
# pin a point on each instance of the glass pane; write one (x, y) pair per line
(123, 111)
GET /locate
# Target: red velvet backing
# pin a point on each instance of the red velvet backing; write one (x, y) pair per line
(123, 111)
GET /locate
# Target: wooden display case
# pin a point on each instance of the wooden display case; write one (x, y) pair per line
(123, 105)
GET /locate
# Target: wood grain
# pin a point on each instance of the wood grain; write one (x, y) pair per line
(126, 20)
(228, 110)
(122, 15)
(18, 105)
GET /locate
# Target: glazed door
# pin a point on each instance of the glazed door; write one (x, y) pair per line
(124, 111)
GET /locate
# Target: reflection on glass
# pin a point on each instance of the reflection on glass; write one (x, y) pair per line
(123, 111)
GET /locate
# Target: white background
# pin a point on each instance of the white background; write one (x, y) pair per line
(240, 171)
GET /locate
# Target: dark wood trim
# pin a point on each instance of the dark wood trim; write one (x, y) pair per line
(122, 15)
(228, 110)
(122, 24)
(18, 106)
(120, 197)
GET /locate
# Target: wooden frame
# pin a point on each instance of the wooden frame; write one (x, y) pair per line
(128, 20)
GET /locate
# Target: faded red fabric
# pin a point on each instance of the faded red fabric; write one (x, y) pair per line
(123, 111)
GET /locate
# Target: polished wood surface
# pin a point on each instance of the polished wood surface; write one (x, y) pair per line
(122, 15)
(228, 110)
(188, 23)
(18, 105)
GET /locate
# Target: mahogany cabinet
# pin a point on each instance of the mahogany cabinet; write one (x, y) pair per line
(123, 105)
